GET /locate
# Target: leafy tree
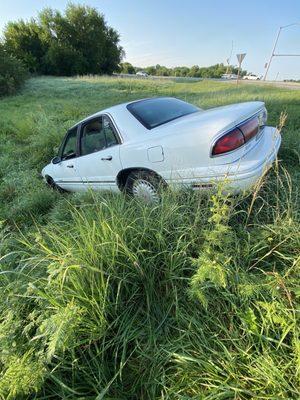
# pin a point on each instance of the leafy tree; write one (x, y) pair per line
(62, 59)
(162, 71)
(12, 73)
(76, 42)
(150, 70)
(127, 68)
(180, 71)
(194, 71)
(23, 40)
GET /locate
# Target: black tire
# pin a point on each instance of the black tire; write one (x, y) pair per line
(53, 185)
(145, 186)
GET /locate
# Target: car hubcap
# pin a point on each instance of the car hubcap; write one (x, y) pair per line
(145, 190)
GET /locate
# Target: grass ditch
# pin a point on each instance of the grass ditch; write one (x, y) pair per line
(106, 298)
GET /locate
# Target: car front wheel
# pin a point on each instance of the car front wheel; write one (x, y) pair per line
(144, 186)
(50, 182)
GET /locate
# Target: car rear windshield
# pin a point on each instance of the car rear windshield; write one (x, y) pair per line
(154, 112)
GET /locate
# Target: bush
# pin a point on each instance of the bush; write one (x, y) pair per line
(12, 73)
(64, 60)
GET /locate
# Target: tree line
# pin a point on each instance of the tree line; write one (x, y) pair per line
(75, 42)
(213, 71)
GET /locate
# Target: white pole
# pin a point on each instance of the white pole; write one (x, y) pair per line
(275, 44)
(272, 55)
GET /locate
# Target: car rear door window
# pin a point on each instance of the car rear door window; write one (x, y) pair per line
(110, 136)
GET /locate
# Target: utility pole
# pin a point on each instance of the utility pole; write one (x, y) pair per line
(272, 54)
(274, 48)
(229, 58)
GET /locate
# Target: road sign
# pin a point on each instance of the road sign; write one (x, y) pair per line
(240, 57)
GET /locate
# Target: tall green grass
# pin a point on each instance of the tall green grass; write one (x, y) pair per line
(103, 297)
(187, 299)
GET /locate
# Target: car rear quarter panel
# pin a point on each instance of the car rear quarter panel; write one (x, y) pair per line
(186, 143)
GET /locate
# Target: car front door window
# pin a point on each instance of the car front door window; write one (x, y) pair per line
(99, 162)
(92, 137)
(66, 173)
(70, 145)
(97, 135)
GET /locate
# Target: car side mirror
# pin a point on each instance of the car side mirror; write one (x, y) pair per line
(56, 160)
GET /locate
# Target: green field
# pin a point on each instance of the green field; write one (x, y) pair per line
(103, 297)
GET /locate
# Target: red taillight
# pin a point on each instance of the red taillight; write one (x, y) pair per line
(237, 137)
(250, 128)
(231, 141)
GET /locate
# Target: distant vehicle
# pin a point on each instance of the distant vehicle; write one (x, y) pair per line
(251, 77)
(142, 73)
(142, 146)
(229, 76)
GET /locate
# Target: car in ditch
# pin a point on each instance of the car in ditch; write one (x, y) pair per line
(144, 145)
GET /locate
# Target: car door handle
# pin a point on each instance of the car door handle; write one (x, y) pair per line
(70, 166)
(108, 158)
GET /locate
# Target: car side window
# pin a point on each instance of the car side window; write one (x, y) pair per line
(70, 145)
(97, 135)
(109, 131)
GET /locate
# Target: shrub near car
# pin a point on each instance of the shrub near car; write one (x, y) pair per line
(144, 145)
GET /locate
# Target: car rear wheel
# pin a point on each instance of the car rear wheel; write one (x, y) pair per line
(144, 186)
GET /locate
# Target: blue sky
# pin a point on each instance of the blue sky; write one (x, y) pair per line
(192, 32)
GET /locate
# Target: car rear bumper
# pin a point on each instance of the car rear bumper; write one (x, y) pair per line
(245, 172)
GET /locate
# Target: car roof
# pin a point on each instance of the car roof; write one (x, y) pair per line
(121, 106)
(128, 125)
